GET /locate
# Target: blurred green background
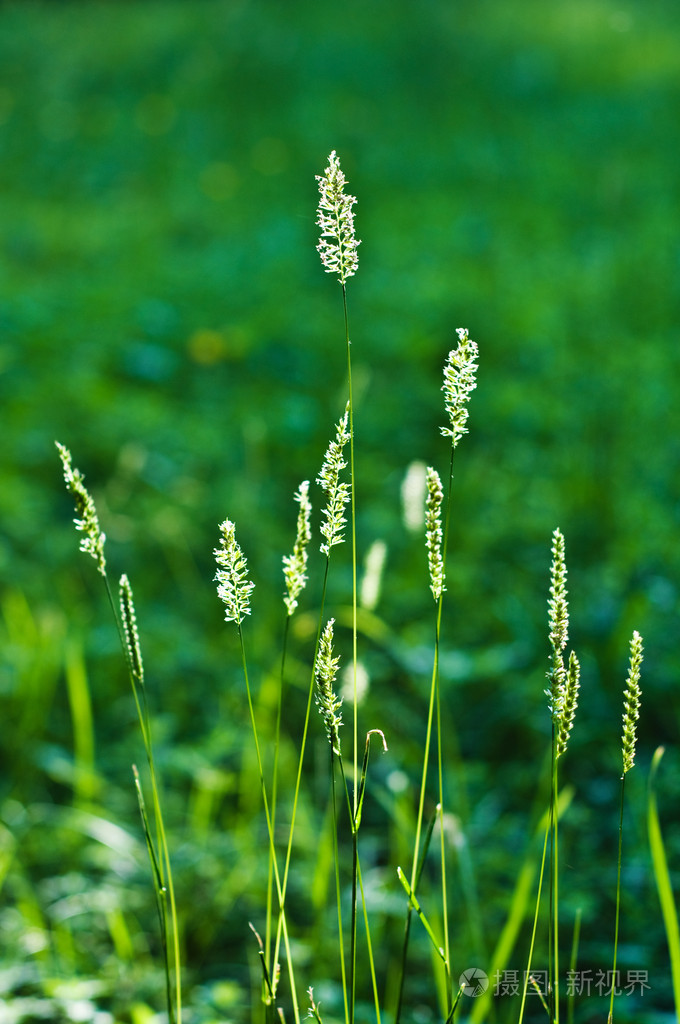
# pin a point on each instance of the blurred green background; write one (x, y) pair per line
(164, 314)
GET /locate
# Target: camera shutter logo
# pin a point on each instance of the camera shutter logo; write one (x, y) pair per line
(473, 981)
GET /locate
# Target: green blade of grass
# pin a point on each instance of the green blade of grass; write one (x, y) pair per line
(663, 880)
(419, 911)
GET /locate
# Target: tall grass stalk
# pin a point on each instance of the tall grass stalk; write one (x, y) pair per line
(631, 713)
(234, 589)
(92, 543)
(337, 248)
(329, 704)
(518, 910)
(459, 381)
(662, 877)
(562, 694)
(295, 576)
(337, 496)
(572, 964)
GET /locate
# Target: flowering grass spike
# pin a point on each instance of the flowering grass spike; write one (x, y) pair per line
(559, 628)
(338, 492)
(233, 586)
(129, 620)
(294, 565)
(631, 703)
(433, 535)
(338, 245)
(459, 382)
(86, 521)
(327, 701)
(570, 704)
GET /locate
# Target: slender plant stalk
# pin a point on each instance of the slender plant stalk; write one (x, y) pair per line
(338, 251)
(338, 892)
(631, 713)
(270, 831)
(440, 754)
(355, 821)
(553, 935)
(295, 575)
(610, 1016)
(459, 382)
(234, 590)
(93, 543)
(572, 964)
(355, 720)
(332, 533)
(527, 973)
(663, 881)
(409, 912)
(275, 790)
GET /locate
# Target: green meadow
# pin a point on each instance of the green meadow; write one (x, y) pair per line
(164, 315)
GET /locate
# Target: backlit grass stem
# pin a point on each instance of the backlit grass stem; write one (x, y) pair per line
(93, 543)
(460, 372)
(295, 577)
(337, 248)
(234, 590)
(562, 693)
(631, 713)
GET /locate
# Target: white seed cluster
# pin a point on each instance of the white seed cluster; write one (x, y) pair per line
(338, 245)
(337, 491)
(86, 519)
(129, 620)
(631, 703)
(233, 585)
(327, 701)
(295, 565)
(459, 382)
(433, 532)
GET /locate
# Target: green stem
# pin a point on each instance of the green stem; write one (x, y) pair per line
(555, 986)
(301, 758)
(354, 544)
(618, 903)
(355, 717)
(275, 784)
(162, 861)
(338, 893)
(572, 965)
(535, 924)
(409, 915)
(282, 915)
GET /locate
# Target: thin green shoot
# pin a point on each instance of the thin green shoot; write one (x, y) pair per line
(631, 713)
(573, 960)
(93, 543)
(662, 877)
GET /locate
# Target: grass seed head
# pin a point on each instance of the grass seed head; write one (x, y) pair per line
(558, 614)
(129, 620)
(86, 519)
(337, 491)
(459, 383)
(327, 701)
(233, 585)
(295, 565)
(570, 704)
(433, 532)
(631, 703)
(338, 245)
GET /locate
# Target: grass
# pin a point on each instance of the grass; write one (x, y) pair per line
(189, 384)
(357, 987)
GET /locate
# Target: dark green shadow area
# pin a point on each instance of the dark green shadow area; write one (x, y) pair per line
(164, 314)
